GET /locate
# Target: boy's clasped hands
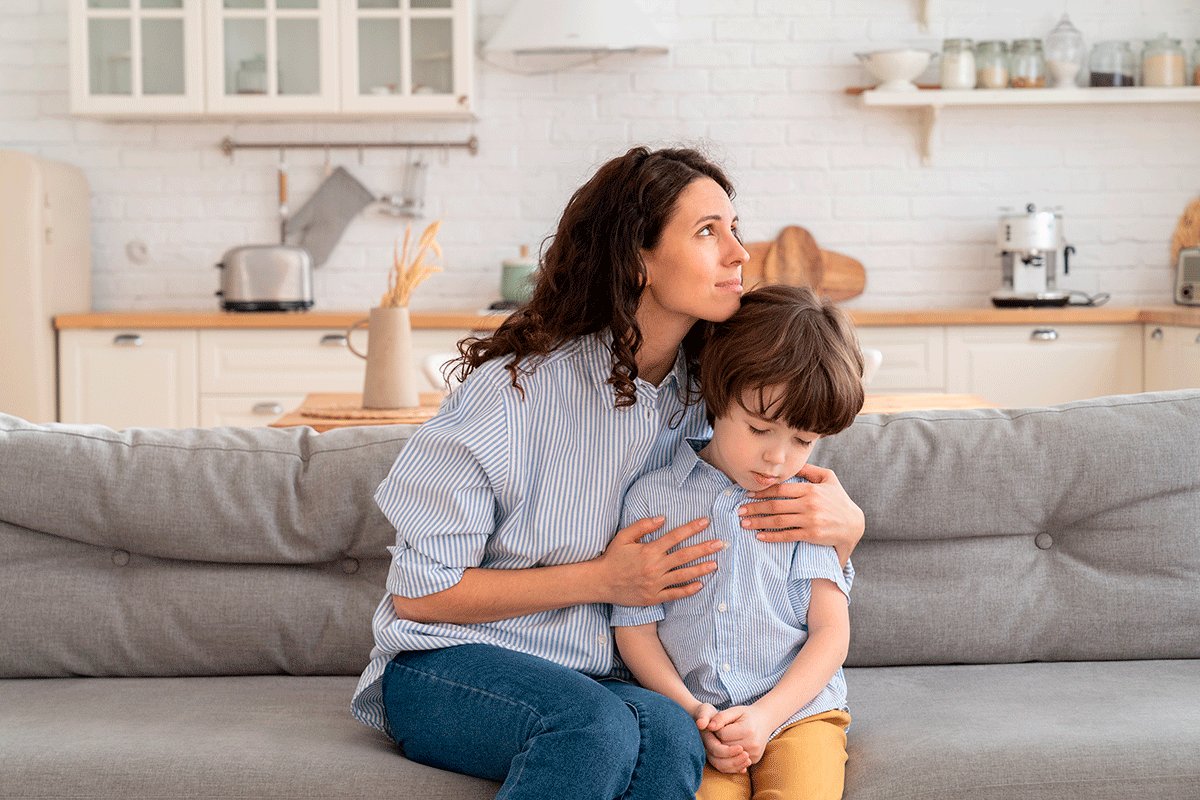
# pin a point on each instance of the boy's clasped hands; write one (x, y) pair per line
(734, 738)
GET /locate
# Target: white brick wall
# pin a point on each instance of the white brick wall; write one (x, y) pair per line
(757, 83)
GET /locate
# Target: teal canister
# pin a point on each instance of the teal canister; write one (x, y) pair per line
(518, 278)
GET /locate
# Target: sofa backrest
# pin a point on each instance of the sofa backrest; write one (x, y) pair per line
(195, 552)
(1064, 533)
(1069, 533)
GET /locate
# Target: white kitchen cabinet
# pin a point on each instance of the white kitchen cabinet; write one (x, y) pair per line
(213, 377)
(1172, 358)
(123, 379)
(269, 57)
(133, 57)
(914, 358)
(1015, 365)
(406, 56)
(246, 410)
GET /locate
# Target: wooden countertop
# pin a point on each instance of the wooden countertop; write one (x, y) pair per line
(470, 320)
(266, 319)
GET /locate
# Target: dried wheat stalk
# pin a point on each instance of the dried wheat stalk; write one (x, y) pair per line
(406, 275)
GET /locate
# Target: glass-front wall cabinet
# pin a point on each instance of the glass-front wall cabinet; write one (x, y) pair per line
(262, 58)
(272, 55)
(141, 55)
(406, 55)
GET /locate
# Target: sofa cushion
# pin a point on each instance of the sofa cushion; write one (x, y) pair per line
(1083, 730)
(1092, 731)
(249, 737)
(193, 552)
(1048, 534)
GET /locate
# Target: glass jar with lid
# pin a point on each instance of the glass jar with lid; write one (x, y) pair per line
(1027, 65)
(1164, 63)
(1064, 53)
(958, 64)
(1112, 64)
(991, 65)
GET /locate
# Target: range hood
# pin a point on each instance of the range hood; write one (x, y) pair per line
(551, 27)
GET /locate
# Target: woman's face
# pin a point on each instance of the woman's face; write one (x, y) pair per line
(695, 270)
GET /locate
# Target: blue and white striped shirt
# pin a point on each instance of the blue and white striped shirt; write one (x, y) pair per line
(732, 641)
(499, 482)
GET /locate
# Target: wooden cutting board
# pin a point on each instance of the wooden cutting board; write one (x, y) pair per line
(794, 259)
(842, 277)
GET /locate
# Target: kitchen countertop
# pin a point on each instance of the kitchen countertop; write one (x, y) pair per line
(471, 320)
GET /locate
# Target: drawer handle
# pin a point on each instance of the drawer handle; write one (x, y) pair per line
(127, 340)
(268, 409)
(1157, 334)
(1044, 335)
(1198, 338)
(334, 340)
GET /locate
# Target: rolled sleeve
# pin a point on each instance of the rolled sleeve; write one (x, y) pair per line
(820, 561)
(631, 616)
(442, 494)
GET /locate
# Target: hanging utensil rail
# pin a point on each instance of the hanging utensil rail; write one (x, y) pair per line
(228, 145)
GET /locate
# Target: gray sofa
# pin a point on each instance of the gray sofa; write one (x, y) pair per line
(185, 612)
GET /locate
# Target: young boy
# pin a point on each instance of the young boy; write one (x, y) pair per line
(755, 656)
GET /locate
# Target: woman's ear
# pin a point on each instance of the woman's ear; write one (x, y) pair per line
(645, 268)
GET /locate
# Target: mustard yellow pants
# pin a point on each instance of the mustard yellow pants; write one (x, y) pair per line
(806, 761)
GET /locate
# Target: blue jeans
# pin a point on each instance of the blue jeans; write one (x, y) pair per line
(545, 730)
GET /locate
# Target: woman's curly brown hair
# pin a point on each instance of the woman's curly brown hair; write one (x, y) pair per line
(591, 275)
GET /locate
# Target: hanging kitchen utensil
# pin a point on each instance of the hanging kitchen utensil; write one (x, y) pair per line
(794, 259)
(320, 222)
(283, 196)
(410, 202)
(844, 277)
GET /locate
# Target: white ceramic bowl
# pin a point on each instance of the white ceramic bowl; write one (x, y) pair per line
(895, 69)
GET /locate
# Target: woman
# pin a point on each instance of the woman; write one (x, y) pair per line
(493, 653)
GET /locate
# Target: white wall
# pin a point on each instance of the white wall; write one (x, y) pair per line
(757, 83)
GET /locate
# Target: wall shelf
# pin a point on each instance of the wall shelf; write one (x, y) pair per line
(931, 101)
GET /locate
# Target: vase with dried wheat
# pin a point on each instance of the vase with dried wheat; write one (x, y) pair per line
(391, 378)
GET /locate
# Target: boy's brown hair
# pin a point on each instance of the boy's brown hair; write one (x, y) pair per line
(786, 335)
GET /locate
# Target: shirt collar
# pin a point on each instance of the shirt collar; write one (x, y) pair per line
(687, 459)
(598, 356)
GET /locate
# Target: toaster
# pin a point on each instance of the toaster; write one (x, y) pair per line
(266, 277)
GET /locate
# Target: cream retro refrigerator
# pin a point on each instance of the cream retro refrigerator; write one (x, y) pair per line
(45, 269)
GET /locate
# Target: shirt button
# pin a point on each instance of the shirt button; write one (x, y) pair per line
(601, 638)
(722, 607)
(728, 492)
(725, 667)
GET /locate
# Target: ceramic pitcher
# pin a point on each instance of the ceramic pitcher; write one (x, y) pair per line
(391, 380)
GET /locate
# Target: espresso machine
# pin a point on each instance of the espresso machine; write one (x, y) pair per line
(1034, 259)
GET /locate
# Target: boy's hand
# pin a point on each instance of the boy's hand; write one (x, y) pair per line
(745, 726)
(724, 757)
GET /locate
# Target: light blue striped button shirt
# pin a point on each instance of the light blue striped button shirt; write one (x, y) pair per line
(732, 641)
(499, 482)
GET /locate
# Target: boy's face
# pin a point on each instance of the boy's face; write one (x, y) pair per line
(756, 453)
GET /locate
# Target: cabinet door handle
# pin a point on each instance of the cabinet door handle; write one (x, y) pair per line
(268, 409)
(1044, 335)
(333, 340)
(1157, 334)
(127, 340)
